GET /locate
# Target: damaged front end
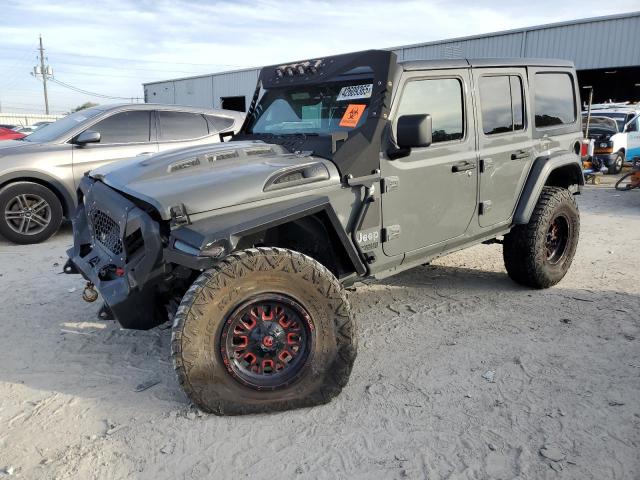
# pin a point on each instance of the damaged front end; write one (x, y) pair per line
(117, 246)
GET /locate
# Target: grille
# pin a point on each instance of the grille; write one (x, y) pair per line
(106, 231)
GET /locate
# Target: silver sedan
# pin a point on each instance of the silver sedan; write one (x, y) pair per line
(39, 174)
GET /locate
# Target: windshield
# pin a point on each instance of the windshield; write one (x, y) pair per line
(620, 118)
(54, 130)
(312, 109)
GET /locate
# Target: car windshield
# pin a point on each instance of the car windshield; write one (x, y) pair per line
(48, 133)
(620, 118)
(312, 109)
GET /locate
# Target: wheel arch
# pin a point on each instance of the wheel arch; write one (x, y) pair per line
(56, 186)
(311, 227)
(560, 169)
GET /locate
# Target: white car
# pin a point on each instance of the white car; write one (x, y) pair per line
(615, 130)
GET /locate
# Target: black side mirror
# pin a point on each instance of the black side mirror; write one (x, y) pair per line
(88, 136)
(414, 131)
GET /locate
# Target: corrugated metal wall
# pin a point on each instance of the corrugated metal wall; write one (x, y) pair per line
(203, 91)
(605, 42)
(590, 44)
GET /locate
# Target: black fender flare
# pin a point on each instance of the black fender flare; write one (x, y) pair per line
(67, 198)
(228, 229)
(539, 174)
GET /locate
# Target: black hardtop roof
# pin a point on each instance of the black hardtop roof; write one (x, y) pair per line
(483, 62)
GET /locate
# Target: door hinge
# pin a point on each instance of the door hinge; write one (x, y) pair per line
(390, 232)
(390, 184)
(485, 207)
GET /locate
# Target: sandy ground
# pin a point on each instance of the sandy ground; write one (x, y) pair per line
(565, 382)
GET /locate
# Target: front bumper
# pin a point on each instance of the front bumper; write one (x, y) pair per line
(117, 246)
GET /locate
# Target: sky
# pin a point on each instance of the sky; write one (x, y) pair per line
(111, 47)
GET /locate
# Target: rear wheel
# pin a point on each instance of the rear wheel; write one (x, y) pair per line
(266, 329)
(29, 212)
(539, 253)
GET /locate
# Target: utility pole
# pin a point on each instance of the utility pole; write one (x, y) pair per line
(44, 72)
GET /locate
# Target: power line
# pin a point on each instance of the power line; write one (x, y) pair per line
(92, 94)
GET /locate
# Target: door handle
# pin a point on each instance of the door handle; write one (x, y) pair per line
(144, 153)
(463, 166)
(519, 154)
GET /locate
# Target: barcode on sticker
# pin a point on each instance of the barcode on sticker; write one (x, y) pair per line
(355, 91)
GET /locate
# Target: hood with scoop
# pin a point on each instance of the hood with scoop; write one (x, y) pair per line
(209, 177)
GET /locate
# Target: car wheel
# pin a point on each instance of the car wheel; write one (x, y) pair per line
(266, 329)
(616, 166)
(29, 212)
(539, 253)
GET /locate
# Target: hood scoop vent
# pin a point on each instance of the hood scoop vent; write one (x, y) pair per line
(183, 165)
(222, 156)
(258, 151)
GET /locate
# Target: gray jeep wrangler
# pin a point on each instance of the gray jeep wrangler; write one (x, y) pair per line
(347, 167)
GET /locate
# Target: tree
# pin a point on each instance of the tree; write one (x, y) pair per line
(84, 105)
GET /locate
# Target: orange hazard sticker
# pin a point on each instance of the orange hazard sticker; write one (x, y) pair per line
(352, 115)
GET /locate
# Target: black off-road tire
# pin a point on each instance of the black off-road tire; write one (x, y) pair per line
(525, 247)
(244, 275)
(31, 191)
(618, 163)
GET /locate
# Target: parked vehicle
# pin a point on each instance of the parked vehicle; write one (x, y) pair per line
(616, 133)
(39, 174)
(28, 130)
(8, 125)
(9, 134)
(347, 167)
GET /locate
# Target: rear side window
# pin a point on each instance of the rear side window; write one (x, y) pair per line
(125, 127)
(182, 125)
(217, 124)
(555, 99)
(501, 103)
(442, 99)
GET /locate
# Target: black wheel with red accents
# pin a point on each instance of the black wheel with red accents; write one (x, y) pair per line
(266, 341)
(266, 329)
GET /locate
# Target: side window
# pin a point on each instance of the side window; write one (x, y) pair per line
(501, 103)
(217, 124)
(555, 99)
(125, 127)
(517, 102)
(181, 125)
(633, 126)
(442, 99)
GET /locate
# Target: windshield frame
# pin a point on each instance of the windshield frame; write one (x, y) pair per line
(285, 93)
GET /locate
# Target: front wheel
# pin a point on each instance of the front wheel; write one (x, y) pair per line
(618, 163)
(539, 253)
(29, 212)
(266, 329)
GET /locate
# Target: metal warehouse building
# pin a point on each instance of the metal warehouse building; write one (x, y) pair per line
(605, 50)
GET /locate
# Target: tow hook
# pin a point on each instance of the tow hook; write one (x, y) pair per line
(89, 294)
